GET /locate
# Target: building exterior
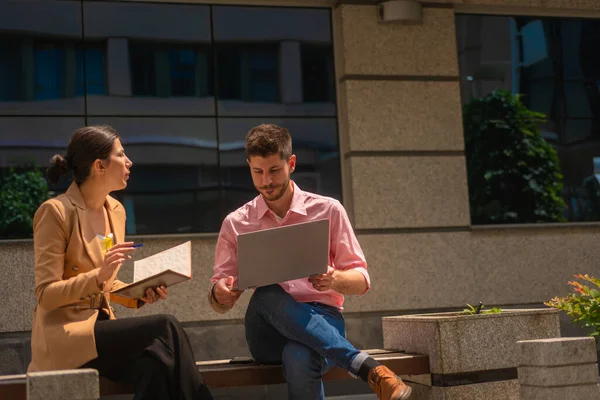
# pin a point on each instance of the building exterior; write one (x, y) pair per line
(375, 112)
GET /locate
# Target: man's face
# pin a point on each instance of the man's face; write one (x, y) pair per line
(271, 175)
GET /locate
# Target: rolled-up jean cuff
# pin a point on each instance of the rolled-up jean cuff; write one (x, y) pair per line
(357, 362)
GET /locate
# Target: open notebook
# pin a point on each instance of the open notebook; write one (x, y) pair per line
(166, 268)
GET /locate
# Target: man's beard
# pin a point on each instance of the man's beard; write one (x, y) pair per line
(277, 195)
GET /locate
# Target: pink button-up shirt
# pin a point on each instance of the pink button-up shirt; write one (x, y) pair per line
(344, 251)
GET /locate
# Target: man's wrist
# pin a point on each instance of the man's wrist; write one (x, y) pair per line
(213, 298)
(218, 307)
(334, 280)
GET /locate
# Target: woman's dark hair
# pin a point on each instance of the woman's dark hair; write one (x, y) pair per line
(86, 145)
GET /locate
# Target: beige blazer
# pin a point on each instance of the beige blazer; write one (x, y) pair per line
(67, 258)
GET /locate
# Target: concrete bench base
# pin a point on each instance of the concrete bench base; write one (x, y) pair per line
(225, 374)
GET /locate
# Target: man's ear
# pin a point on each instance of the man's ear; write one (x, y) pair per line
(292, 162)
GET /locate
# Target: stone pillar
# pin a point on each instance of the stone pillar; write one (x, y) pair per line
(558, 369)
(76, 384)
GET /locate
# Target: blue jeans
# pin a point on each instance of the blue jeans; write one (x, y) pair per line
(307, 338)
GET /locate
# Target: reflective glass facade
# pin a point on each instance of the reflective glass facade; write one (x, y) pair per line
(183, 84)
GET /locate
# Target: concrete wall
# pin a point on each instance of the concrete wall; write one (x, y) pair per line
(405, 187)
(405, 181)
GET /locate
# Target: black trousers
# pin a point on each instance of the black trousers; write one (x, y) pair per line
(151, 353)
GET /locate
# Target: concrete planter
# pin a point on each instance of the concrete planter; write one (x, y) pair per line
(470, 356)
(458, 343)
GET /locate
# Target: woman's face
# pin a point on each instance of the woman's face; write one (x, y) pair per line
(117, 171)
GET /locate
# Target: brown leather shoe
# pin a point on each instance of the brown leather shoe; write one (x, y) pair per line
(387, 385)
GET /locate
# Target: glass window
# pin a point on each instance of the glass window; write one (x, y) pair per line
(182, 97)
(93, 68)
(554, 65)
(159, 65)
(49, 60)
(26, 145)
(270, 64)
(248, 73)
(317, 74)
(174, 184)
(143, 69)
(182, 66)
(11, 75)
(169, 70)
(39, 59)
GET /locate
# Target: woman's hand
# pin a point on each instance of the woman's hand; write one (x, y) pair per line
(153, 295)
(113, 258)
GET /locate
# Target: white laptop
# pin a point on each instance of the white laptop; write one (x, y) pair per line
(282, 254)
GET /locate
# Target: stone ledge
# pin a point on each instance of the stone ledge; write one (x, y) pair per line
(77, 384)
(15, 354)
(588, 392)
(584, 374)
(557, 351)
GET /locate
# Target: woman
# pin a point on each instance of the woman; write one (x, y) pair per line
(76, 265)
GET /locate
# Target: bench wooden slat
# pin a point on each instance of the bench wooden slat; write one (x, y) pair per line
(222, 373)
(13, 387)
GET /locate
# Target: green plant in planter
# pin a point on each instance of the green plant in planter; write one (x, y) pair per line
(21, 193)
(514, 174)
(474, 310)
(583, 306)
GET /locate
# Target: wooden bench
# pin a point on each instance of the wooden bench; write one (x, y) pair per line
(223, 373)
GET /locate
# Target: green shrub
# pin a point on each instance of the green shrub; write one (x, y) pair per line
(583, 305)
(21, 193)
(514, 174)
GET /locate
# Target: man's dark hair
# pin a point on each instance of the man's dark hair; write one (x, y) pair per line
(268, 139)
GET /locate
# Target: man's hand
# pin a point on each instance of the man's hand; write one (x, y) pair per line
(224, 293)
(323, 282)
(159, 293)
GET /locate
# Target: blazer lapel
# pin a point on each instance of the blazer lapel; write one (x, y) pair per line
(116, 215)
(91, 242)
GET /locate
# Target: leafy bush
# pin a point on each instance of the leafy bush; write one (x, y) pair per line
(514, 174)
(21, 193)
(583, 306)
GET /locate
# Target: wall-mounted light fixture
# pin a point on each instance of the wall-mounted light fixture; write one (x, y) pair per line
(400, 12)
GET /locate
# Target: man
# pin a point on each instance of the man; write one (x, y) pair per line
(297, 323)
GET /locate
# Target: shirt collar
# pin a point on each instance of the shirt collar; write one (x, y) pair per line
(296, 206)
